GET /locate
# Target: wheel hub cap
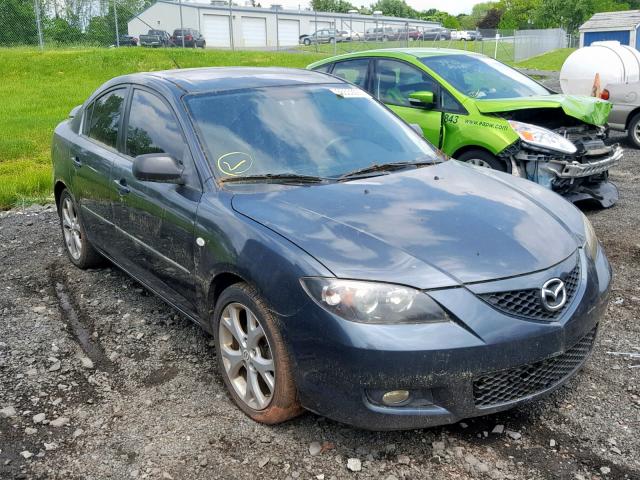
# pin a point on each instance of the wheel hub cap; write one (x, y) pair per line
(246, 356)
(71, 228)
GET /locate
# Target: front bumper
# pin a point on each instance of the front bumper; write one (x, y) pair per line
(456, 370)
(567, 169)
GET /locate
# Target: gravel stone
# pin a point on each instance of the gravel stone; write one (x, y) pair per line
(315, 448)
(8, 412)
(354, 464)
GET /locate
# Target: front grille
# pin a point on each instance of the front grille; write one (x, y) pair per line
(527, 303)
(516, 383)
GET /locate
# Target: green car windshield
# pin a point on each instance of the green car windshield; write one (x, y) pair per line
(483, 77)
(316, 130)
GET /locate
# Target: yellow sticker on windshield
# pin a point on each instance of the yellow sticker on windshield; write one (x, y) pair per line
(350, 92)
(235, 163)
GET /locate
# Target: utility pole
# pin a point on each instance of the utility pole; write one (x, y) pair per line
(181, 25)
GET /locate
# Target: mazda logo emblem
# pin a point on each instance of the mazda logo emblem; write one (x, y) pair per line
(553, 294)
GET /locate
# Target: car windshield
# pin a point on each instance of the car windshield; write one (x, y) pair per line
(483, 77)
(316, 130)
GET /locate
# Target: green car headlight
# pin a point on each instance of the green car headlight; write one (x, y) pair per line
(542, 137)
(371, 302)
(591, 240)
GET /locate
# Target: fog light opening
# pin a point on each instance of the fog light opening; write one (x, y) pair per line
(395, 397)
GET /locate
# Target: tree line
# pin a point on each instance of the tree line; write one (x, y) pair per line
(91, 22)
(501, 14)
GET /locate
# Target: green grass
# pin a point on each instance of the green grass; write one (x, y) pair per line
(38, 89)
(548, 61)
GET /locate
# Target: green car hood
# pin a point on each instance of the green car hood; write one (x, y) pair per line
(588, 109)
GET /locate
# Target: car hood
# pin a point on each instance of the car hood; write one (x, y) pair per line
(432, 227)
(587, 109)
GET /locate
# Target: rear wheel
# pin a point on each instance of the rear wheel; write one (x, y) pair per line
(633, 131)
(252, 357)
(481, 158)
(79, 249)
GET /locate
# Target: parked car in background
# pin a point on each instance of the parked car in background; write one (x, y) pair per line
(466, 35)
(437, 33)
(127, 41)
(156, 38)
(325, 35)
(625, 114)
(192, 38)
(340, 264)
(380, 34)
(483, 112)
(348, 36)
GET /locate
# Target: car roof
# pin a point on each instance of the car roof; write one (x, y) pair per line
(207, 79)
(413, 52)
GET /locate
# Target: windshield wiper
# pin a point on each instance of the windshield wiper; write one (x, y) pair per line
(385, 167)
(275, 178)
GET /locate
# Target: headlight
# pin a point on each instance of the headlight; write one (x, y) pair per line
(591, 240)
(541, 137)
(369, 302)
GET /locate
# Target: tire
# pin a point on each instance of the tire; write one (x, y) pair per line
(204, 45)
(483, 158)
(79, 250)
(633, 131)
(307, 42)
(269, 405)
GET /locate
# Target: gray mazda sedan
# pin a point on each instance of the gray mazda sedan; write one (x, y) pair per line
(340, 263)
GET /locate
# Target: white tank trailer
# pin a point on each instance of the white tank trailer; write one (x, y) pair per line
(610, 71)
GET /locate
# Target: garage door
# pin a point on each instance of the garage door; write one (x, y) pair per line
(288, 32)
(622, 36)
(254, 32)
(215, 29)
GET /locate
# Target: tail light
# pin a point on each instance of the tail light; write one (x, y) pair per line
(188, 38)
(604, 95)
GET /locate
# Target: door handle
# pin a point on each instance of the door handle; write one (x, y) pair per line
(123, 188)
(76, 161)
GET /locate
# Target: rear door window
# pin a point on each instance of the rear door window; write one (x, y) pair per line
(354, 71)
(104, 121)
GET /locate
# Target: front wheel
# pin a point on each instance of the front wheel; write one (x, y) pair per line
(307, 42)
(633, 132)
(77, 245)
(481, 158)
(252, 357)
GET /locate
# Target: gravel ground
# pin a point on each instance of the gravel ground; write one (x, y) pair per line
(100, 380)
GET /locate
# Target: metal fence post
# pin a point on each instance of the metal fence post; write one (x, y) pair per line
(231, 39)
(115, 17)
(406, 24)
(181, 25)
(277, 31)
(38, 23)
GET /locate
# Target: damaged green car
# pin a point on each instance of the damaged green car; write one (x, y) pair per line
(481, 111)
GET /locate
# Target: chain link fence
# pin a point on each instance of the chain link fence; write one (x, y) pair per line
(126, 23)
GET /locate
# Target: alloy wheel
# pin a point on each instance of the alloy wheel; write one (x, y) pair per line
(636, 133)
(71, 228)
(478, 162)
(246, 356)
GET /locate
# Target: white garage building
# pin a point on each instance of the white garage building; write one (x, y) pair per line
(254, 27)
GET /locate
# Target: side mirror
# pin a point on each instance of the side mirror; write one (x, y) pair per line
(422, 99)
(417, 128)
(74, 111)
(158, 167)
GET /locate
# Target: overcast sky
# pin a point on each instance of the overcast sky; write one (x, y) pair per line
(454, 7)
